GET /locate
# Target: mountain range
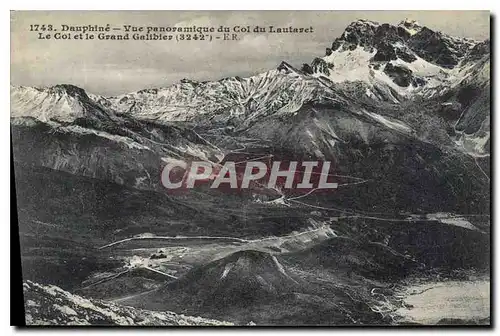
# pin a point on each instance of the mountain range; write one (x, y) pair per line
(402, 111)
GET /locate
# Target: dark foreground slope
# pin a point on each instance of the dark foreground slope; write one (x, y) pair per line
(408, 138)
(50, 305)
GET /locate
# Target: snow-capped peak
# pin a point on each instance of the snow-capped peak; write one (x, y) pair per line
(411, 26)
(408, 58)
(63, 103)
(364, 22)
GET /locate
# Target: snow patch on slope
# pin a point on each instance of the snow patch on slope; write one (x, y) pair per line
(390, 123)
(350, 65)
(63, 103)
(50, 305)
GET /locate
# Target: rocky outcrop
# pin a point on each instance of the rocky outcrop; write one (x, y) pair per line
(60, 103)
(385, 53)
(62, 128)
(306, 68)
(50, 305)
(319, 65)
(478, 51)
(438, 48)
(406, 40)
(401, 75)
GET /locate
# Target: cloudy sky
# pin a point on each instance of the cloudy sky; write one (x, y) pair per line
(114, 67)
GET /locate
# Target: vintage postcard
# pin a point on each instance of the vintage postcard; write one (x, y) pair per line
(269, 168)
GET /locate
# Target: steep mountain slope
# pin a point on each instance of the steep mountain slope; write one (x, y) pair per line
(63, 103)
(408, 59)
(378, 65)
(425, 151)
(472, 97)
(63, 128)
(383, 68)
(390, 168)
(239, 279)
(410, 62)
(401, 112)
(235, 98)
(50, 305)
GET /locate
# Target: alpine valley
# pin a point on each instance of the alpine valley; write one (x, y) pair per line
(403, 112)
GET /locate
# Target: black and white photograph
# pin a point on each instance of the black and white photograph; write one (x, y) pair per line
(252, 168)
